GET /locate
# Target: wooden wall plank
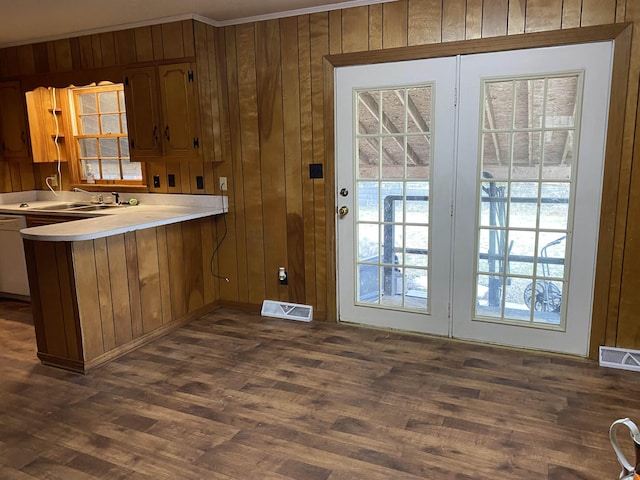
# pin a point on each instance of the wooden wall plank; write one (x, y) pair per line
(394, 24)
(515, 23)
(306, 149)
(494, 18)
(355, 29)
(87, 295)
(119, 285)
(62, 50)
(26, 60)
(54, 327)
(108, 49)
(125, 46)
(165, 276)
(192, 258)
(571, 13)
(86, 51)
(246, 51)
(453, 20)
(293, 162)
(375, 27)
(543, 15)
(66, 283)
(270, 125)
(474, 19)
(131, 255)
(172, 40)
(598, 12)
(41, 57)
(158, 42)
(104, 293)
(425, 22)
(176, 271)
(76, 56)
(232, 256)
(188, 47)
(96, 47)
(210, 288)
(621, 10)
(335, 31)
(143, 44)
(149, 279)
(319, 48)
(204, 89)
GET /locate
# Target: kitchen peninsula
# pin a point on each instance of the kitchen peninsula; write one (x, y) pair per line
(103, 286)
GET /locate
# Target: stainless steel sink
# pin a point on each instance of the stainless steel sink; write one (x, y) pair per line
(93, 208)
(61, 206)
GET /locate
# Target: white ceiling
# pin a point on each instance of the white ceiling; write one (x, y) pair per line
(29, 21)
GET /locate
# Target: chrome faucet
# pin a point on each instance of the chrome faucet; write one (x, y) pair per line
(100, 196)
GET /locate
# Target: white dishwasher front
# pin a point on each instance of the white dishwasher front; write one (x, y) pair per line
(13, 268)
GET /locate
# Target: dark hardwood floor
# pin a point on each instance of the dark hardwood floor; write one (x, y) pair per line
(236, 396)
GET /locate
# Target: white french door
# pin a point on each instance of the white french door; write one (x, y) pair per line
(476, 216)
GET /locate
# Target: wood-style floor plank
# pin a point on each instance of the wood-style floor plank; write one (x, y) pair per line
(237, 396)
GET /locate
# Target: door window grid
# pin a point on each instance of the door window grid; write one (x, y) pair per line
(526, 201)
(393, 148)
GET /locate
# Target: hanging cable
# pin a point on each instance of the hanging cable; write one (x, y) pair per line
(55, 141)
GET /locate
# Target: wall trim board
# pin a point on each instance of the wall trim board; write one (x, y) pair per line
(606, 300)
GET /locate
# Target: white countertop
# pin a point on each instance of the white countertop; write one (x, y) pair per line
(154, 210)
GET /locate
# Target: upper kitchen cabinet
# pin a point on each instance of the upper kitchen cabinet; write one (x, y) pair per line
(13, 122)
(162, 112)
(49, 124)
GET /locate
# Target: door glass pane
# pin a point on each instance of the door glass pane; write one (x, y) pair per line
(525, 209)
(392, 218)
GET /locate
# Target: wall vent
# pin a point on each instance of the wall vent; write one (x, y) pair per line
(290, 311)
(623, 358)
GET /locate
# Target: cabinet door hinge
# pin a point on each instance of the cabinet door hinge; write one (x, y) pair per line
(196, 142)
(190, 75)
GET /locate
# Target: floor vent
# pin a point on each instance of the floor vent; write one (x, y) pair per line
(290, 311)
(623, 358)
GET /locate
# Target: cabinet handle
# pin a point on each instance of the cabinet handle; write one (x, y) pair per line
(166, 133)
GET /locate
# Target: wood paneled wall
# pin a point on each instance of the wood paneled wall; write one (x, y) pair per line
(274, 77)
(266, 82)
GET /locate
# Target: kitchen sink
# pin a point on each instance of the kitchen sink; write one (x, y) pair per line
(93, 208)
(62, 206)
(77, 207)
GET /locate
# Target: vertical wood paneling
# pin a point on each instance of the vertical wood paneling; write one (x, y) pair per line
(96, 48)
(425, 22)
(270, 125)
(474, 19)
(68, 299)
(210, 289)
(394, 24)
(176, 270)
(494, 18)
(254, 223)
(125, 45)
(188, 48)
(76, 57)
(26, 61)
(143, 44)
(571, 12)
(149, 279)
(165, 276)
(292, 161)
(205, 83)
(62, 50)
(319, 48)
(306, 144)
(597, 12)
(84, 266)
(335, 31)
(86, 51)
(541, 15)
(375, 27)
(156, 37)
(453, 20)
(108, 49)
(172, 40)
(104, 293)
(131, 255)
(119, 285)
(237, 288)
(355, 29)
(192, 258)
(516, 17)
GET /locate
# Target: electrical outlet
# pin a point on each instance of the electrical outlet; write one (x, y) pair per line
(199, 182)
(54, 180)
(223, 184)
(156, 181)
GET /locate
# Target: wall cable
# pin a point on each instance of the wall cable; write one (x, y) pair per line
(215, 250)
(55, 141)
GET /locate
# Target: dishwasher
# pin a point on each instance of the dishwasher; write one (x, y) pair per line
(13, 268)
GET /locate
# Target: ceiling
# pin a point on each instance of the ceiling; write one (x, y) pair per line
(29, 21)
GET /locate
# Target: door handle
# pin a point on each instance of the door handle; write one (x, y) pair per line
(343, 211)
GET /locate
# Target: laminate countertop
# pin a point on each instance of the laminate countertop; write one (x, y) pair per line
(114, 220)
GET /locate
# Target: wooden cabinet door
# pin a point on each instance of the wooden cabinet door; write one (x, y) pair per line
(180, 116)
(13, 121)
(143, 115)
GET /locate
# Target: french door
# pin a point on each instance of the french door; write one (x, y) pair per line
(469, 194)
